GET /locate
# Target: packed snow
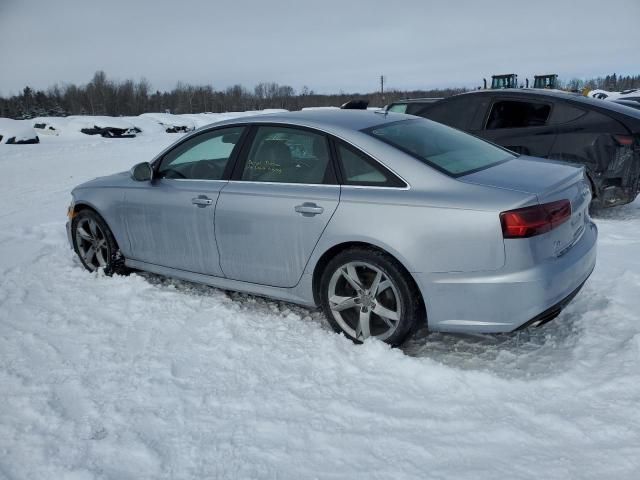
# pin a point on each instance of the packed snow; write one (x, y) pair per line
(144, 377)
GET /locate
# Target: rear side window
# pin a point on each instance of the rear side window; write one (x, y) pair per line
(358, 169)
(456, 113)
(517, 114)
(283, 154)
(563, 113)
(416, 108)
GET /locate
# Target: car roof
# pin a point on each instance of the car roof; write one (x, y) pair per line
(417, 100)
(328, 119)
(560, 95)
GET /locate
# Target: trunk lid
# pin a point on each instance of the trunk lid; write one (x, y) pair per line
(549, 181)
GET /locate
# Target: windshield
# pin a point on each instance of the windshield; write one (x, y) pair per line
(449, 150)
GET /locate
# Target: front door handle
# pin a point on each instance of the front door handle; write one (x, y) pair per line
(309, 209)
(201, 201)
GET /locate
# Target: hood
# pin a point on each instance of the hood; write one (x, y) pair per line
(114, 180)
(525, 174)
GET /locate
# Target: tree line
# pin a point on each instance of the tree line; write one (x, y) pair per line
(612, 83)
(103, 96)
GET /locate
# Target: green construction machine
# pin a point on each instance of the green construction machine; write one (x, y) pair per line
(509, 80)
(545, 81)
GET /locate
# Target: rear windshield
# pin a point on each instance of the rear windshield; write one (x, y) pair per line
(449, 150)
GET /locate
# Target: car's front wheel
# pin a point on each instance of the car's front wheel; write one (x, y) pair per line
(94, 243)
(366, 293)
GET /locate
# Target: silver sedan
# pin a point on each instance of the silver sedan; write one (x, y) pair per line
(385, 220)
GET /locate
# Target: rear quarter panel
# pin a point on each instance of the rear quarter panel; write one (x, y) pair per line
(439, 231)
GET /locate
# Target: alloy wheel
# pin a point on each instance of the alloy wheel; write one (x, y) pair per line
(364, 301)
(92, 243)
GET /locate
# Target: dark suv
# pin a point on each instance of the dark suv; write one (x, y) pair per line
(602, 136)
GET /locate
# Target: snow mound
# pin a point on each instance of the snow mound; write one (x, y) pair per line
(146, 124)
(17, 131)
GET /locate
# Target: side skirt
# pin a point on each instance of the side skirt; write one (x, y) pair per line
(301, 294)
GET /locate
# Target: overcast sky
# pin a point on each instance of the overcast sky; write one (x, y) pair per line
(327, 45)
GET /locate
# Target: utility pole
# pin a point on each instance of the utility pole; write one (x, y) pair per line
(382, 85)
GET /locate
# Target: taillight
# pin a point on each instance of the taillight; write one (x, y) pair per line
(531, 221)
(624, 140)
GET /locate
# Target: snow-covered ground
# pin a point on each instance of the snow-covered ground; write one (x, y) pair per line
(143, 377)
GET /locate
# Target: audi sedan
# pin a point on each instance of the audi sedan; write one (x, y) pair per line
(385, 220)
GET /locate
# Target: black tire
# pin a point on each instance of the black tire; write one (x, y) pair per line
(114, 262)
(408, 296)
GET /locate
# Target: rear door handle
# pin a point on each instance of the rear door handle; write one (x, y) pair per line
(309, 209)
(201, 201)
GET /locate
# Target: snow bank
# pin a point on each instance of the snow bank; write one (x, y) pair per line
(148, 123)
(16, 131)
(144, 377)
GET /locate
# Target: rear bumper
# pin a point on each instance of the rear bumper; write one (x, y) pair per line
(494, 302)
(551, 313)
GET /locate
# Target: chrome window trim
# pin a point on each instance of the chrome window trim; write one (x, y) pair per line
(321, 185)
(194, 180)
(288, 183)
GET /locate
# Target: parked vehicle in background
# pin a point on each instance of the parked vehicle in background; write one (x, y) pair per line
(602, 136)
(43, 128)
(629, 103)
(383, 219)
(631, 94)
(549, 80)
(111, 132)
(410, 106)
(508, 80)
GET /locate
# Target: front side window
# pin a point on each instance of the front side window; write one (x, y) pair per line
(444, 148)
(287, 155)
(204, 157)
(514, 114)
(398, 108)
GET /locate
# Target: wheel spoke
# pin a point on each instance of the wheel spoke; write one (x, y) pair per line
(100, 256)
(93, 227)
(362, 330)
(373, 290)
(83, 233)
(339, 303)
(386, 314)
(89, 255)
(383, 286)
(351, 276)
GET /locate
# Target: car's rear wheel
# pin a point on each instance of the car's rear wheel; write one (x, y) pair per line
(366, 293)
(94, 243)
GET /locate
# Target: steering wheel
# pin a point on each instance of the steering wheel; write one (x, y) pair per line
(205, 170)
(170, 173)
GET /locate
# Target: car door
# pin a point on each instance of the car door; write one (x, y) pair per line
(271, 214)
(170, 220)
(520, 125)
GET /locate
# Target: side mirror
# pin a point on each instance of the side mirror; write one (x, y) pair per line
(142, 172)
